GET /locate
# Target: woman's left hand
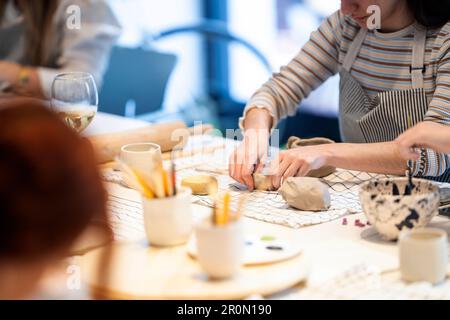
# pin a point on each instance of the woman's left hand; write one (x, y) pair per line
(425, 134)
(297, 162)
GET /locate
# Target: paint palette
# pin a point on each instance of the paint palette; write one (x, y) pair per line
(261, 249)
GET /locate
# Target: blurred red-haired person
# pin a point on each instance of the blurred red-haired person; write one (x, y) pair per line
(50, 190)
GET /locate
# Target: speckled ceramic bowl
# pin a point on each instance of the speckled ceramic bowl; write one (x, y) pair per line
(389, 210)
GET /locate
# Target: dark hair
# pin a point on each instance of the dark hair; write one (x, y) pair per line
(50, 188)
(431, 13)
(38, 18)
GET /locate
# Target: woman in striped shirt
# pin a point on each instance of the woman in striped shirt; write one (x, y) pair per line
(391, 78)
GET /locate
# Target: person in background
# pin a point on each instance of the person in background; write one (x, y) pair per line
(426, 134)
(394, 74)
(50, 190)
(40, 39)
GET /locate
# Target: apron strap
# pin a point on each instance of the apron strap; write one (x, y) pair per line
(417, 68)
(354, 49)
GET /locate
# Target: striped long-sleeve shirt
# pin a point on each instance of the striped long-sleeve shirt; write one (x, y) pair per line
(382, 65)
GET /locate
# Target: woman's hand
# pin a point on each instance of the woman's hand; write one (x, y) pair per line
(249, 156)
(426, 134)
(252, 152)
(297, 162)
(9, 71)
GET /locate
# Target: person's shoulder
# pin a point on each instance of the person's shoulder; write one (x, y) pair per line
(445, 30)
(442, 42)
(344, 24)
(439, 33)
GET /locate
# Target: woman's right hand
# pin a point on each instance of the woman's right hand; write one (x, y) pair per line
(252, 153)
(249, 156)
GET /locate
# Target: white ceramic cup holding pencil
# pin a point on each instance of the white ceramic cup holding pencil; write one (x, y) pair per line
(220, 249)
(168, 221)
(146, 159)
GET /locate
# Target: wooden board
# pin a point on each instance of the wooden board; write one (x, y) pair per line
(108, 146)
(137, 271)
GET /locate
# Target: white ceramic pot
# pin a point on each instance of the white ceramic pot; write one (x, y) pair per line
(168, 221)
(423, 255)
(220, 249)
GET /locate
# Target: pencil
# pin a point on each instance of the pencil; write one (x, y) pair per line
(216, 211)
(226, 207)
(219, 211)
(160, 181)
(168, 186)
(147, 191)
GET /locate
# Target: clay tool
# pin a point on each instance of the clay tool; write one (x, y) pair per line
(174, 178)
(410, 186)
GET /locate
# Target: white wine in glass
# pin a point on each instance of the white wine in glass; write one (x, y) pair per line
(75, 99)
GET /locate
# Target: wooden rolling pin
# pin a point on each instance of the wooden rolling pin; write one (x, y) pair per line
(108, 145)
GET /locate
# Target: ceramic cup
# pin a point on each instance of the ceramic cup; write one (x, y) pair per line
(423, 255)
(146, 159)
(220, 249)
(168, 221)
(141, 156)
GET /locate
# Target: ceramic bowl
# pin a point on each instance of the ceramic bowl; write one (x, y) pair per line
(390, 211)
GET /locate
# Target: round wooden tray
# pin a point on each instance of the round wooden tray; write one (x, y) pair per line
(137, 271)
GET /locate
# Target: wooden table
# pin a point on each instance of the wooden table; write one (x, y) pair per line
(330, 248)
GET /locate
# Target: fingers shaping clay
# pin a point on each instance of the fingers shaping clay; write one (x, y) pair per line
(262, 182)
(296, 142)
(305, 193)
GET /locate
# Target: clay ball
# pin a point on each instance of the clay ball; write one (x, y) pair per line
(305, 193)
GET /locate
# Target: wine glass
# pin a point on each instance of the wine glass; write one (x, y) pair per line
(75, 99)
